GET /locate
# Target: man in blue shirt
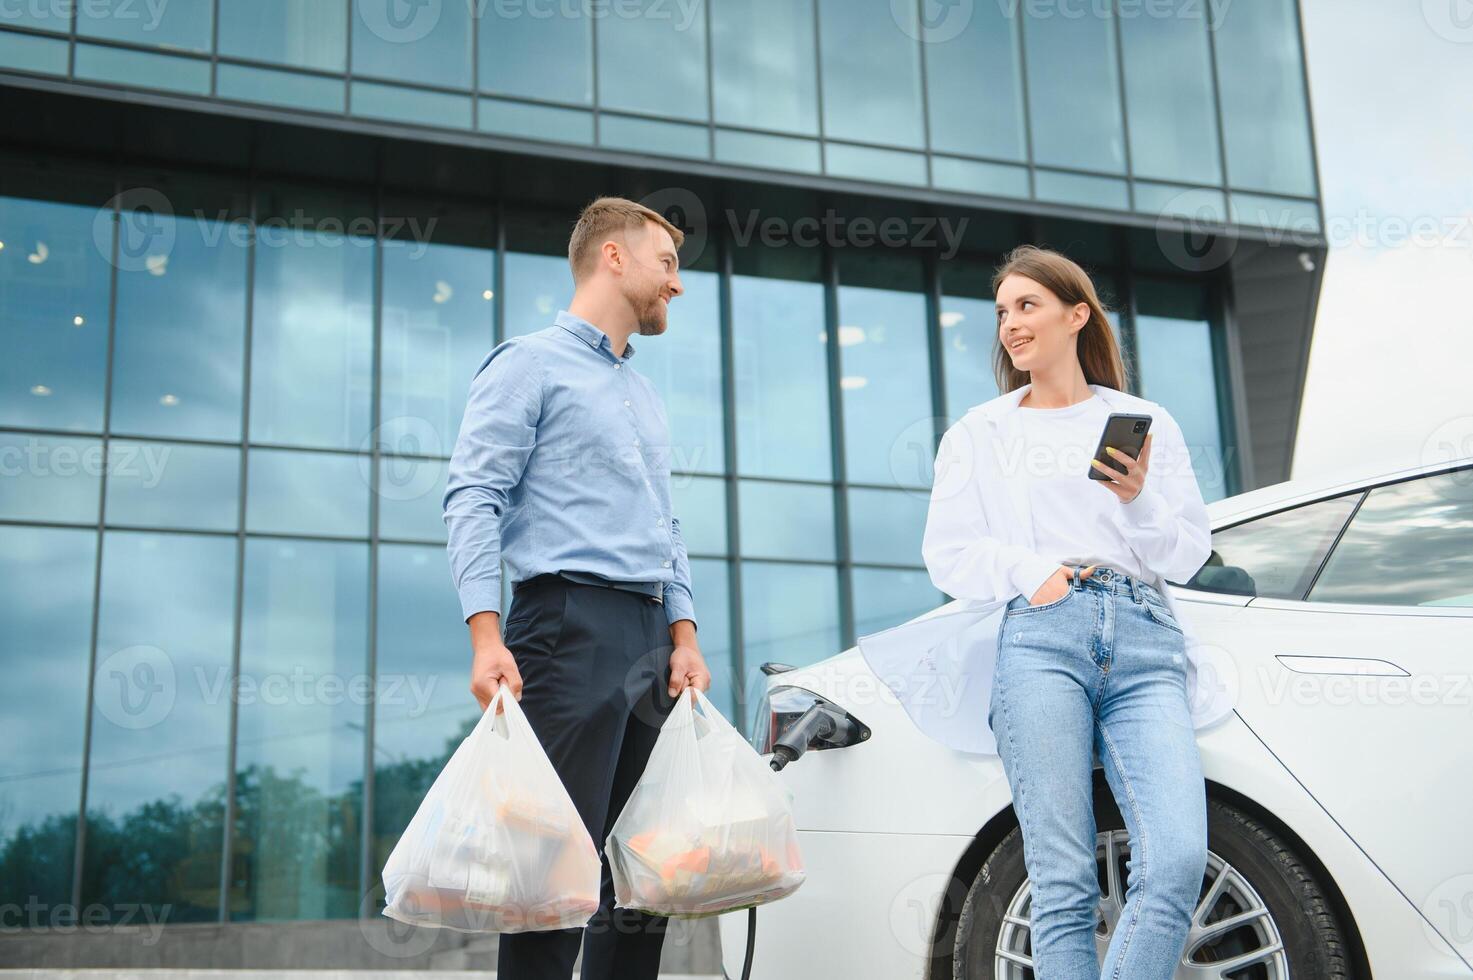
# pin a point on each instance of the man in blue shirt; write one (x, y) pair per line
(562, 469)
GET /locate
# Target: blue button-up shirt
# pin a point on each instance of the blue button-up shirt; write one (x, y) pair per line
(563, 463)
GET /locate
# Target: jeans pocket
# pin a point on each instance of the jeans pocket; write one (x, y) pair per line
(1028, 608)
(1162, 615)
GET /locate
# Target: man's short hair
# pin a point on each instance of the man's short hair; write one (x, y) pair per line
(602, 219)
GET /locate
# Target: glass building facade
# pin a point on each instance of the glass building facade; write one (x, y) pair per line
(229, 389)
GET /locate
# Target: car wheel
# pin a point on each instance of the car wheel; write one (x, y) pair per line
(1261, 914)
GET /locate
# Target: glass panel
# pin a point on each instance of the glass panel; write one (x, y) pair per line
(868, 163)
(422, 707)
(1284, 215)
(762, 60)
(54, 278)
(302, 33)
(1265, 115)
(536, 122)
(299, 757)
(1195, 203)
(871, 73)
(43, 16)
(46, 607)
(975, 88)
(787, 520)
(1081, 189)
(536, 287)
(161, 725)
(885, 526)
(1410, 544)
(884, 598)
(885, 377)
(413, 42)
(179, 357)
(711, 586)
(519, 41)
(1074, 90)
(1168, 92)
(409, 496)
(781, 374)
(49, 478)
(438, 313)
(684, 365)
(973, 177)
(1176, 368)
(311, 345)
(169, 485)
(790, 614)
(968, 336)
(700, 506)
(653, 136)
(411, 105)
(1274, 556)
(286, 88)
(652, 58)
(764, 150)
(142, 69)
(24, 52)
(307, 493)
(169, 25)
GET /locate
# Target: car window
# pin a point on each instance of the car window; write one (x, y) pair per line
(1276, 555)
(1410, 544)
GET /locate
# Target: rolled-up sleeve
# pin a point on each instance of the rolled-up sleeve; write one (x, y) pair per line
(497, 436)
(679, 601)
(1166, 524)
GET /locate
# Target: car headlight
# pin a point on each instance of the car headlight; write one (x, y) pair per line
(780, 708)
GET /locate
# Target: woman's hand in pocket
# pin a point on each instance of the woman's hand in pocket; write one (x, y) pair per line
(1057, 584)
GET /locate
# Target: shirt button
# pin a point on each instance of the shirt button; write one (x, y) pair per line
(636, 444)
(626, 403)
(660, 522)
(617, 366)
(665, 564)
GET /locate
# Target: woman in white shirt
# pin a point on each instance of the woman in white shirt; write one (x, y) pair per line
(1090, 656)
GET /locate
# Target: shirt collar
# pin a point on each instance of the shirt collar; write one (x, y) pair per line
(590, 335)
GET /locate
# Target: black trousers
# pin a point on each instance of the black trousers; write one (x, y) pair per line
(595, 665)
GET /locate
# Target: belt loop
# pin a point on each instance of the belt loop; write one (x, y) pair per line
(1135, 592)
(1076, 583)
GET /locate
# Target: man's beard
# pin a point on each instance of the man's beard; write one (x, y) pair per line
(651, 316)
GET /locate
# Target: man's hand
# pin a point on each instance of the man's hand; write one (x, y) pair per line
(687, 666)
(492, 664)
(1057, 584)
(1125, 485)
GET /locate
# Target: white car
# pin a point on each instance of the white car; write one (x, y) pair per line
(1340, 790)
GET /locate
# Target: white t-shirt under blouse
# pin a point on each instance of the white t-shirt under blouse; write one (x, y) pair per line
(1072, 514)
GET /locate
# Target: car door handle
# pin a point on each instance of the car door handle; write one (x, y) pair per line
(1340, 665)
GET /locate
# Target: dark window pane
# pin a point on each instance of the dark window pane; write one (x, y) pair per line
(1265, 115)
(437, 326)
(790, 614)
(299, 757)
(413, 42)
(307, 493)
(49, 478)
(871, 74)
(652, 58)
(179, 358)
(423, 708)
(885, 526)
(517, 46)
(302, 33)
(161, 724)
(311, 343)
(1274, 556)
(54, 281)
(781, 376)
(1410, 544)
(968, 337)
(173, 485)
(884, 598)
(46, 606)
(975, 88)
(685, 366)
(169, 25)
(1178, 370)
(1168, 91)
(787, 520)
(762, 58)
(1074, 90)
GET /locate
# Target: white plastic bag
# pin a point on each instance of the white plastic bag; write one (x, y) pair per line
(708, 828)
(496, 845)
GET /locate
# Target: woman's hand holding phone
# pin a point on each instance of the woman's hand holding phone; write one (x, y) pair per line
(1057, 584)
(1125, 485)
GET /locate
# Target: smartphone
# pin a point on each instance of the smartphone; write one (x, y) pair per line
(1125, 433)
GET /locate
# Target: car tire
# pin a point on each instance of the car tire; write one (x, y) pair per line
(1297, 903)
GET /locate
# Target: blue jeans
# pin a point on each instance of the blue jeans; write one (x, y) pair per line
(1101, 672)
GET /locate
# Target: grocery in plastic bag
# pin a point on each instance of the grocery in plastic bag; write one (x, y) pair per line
(708, 828)
(496, 845)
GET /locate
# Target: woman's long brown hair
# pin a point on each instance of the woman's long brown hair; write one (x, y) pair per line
(1099, 354)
